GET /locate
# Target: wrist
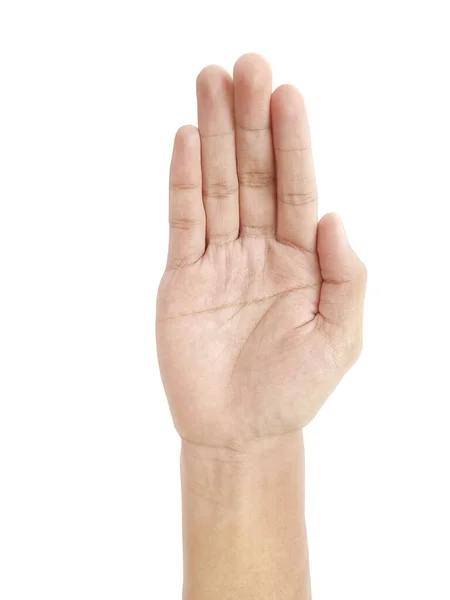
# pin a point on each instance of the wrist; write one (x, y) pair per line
(234, 476)
(252, 453)
(243, 520)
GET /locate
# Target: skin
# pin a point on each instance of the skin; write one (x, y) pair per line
(259, 316)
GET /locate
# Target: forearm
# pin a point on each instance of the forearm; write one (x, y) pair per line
(243, 522)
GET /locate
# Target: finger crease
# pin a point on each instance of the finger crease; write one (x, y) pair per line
(219, 190)
(185, 186)
(215, 135)
(256, 179)
(297, 198)
(305, 149)
(186, 223)
(253, 129)
(258, 230)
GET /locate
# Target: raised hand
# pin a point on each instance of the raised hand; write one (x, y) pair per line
(260, 308)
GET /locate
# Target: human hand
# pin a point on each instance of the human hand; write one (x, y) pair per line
(259, 311)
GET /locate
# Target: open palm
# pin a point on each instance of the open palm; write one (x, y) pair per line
(260, 308)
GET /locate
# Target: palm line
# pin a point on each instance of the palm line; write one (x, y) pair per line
(242, 305)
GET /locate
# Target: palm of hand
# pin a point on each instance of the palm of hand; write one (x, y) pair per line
(249, 336)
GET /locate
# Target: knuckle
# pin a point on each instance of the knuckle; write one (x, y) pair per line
(358, 269)
(353, 348)
(363, 270)
(356, 348)
(346, 347)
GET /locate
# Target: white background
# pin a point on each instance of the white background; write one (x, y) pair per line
(91, 95)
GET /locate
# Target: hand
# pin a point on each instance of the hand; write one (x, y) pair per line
(260, 308)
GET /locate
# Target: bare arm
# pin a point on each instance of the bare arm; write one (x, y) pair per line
(243, 522)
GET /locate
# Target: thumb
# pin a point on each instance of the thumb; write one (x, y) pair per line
(344, 278)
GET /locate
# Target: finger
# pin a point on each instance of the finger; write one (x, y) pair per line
(219, 176)
(186, 212)
(344, 278)
(296, 184)
(254, 148)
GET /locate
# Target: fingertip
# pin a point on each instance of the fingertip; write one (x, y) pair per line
(186, 131)
(331, 217)
(288, 99)
(211, 80)
(331, 225)
(253, 71)
(339, 262)
(187, 137)
(185, 164)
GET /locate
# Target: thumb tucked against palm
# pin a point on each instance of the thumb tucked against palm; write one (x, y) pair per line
(344, 278)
